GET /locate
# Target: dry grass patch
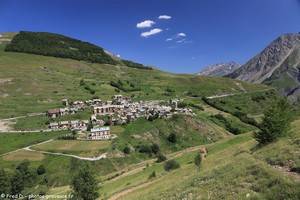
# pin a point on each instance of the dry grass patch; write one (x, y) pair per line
(24, 155)
(73, 146)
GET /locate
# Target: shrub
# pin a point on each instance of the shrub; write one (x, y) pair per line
(155, 148)
(41, 170)
(161, 157)
(198, 160)
(152, 175)
(172, 138)
(171, 165)
(145, 149)
(126, 150)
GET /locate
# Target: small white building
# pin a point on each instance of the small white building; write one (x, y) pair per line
(101, 133)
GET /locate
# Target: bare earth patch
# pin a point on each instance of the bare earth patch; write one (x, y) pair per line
(5, 80)
(5, 125)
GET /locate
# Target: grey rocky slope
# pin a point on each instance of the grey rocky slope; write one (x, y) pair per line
(277, 65)
(220, 69)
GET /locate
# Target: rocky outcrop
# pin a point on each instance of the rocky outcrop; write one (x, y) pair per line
(220, 69)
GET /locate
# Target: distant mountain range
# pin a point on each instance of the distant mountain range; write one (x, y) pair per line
(278, 65)
(220, 69)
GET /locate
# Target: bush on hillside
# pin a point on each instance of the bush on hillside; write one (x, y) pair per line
(41, 170)
(155, 148)
(198, 160)
(161, 158)
(152, 175)
(171, 165)
(126, 150)
(172, 138)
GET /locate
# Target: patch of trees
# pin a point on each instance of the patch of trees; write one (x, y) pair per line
(23, 176)
(56, 45)
(276, 122)
(171, 165)
(87, 87)
(227, 124)
(125, 86)
(149, 149)
(131, 64)
(50, 44)
(242, 116)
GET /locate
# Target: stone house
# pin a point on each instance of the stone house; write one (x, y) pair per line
(101, 133)
(53, 113)
(54, 125)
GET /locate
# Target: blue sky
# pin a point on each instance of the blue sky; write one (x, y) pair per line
(199, 32)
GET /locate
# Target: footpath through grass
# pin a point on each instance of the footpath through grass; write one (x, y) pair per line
(13, 141)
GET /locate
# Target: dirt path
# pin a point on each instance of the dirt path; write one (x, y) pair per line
(132, 189)
(5, 126)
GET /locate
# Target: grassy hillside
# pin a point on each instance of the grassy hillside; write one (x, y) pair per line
(51, 44)
(234, 169)
(33, 83)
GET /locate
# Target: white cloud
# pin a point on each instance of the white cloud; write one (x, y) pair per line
(164, 17)
(145, 24)
(118, 56)
(181, 35)
(180, 41)
(151, 32)
(169, 39)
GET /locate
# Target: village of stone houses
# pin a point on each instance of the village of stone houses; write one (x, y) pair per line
(119, 111)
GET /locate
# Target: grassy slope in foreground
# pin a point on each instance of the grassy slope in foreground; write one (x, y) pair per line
(33, 83)
(234, 169)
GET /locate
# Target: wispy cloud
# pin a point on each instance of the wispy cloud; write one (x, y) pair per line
(164, 17)
(145, 24)
(181, 35)
(179, 38)
(181, 41)
(151, 32)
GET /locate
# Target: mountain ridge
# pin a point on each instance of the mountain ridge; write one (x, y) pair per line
(277, 65)
(219, 69)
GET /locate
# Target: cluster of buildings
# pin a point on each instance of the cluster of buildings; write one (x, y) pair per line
(120, 110)
(78, 125)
